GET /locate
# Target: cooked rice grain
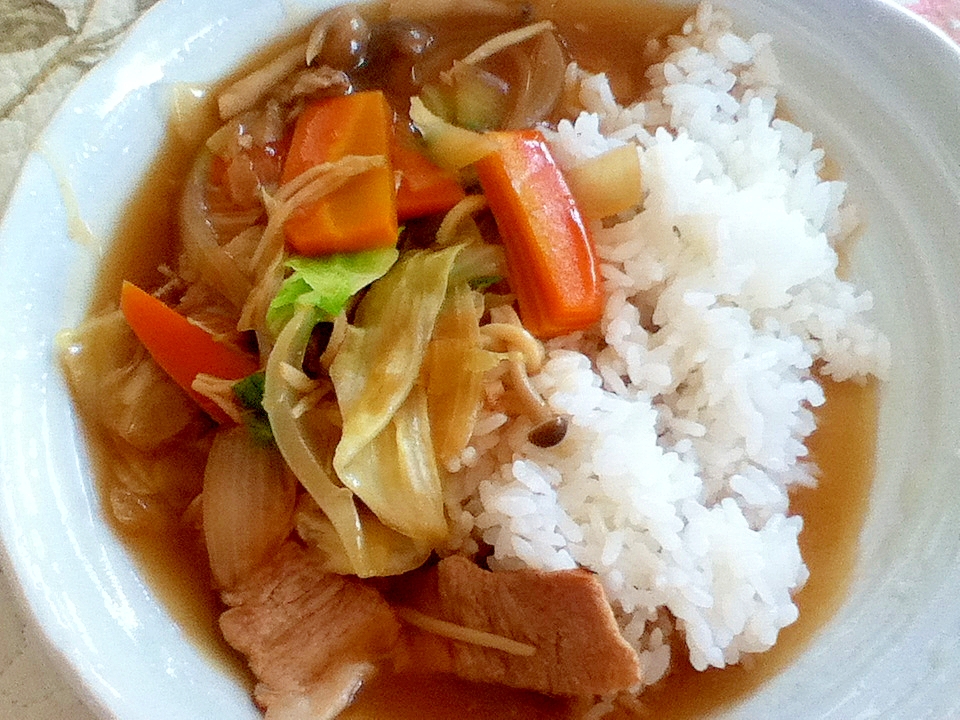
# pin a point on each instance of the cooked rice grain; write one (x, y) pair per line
(687, 428)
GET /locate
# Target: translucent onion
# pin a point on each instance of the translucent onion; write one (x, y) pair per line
(201, 249)
(541, 84)
(360, 543)
(248, 502)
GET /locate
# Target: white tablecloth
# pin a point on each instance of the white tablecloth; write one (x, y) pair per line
(45, 47)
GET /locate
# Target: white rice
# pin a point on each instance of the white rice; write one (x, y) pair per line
(672, 481)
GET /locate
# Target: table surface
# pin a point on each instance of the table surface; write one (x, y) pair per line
(55, 43)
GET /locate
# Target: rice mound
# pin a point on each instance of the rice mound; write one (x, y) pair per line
(690, 407)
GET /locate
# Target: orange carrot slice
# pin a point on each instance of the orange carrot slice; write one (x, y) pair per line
(425, 188)
(551, 261)
(362, 214)
(181, 348)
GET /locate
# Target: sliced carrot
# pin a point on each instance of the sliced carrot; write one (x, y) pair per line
(362, 214)
(551, 261)
(181, 348)
(424, 188)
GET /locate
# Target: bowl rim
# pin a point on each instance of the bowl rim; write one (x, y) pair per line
(174, 37)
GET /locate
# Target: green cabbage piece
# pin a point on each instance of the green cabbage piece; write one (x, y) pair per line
(327, 283)
(385, 454)
(362, 544)
(249, 392)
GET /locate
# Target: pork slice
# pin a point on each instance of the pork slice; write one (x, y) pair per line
(564, 616)
(298, 625)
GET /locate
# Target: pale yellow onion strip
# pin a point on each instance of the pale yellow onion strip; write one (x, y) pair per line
(250, 89)
(450, 630)
(220, 392)
(340, 326)
(311, 391)
(446, 233)
(248, 502)
(307, 187)
(297, 378)
(504, 40)
(253, 316)
(200, 242)
(311, 400)
(339, 171)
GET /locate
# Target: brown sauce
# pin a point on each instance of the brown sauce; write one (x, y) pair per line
(843, 448)
(175, 567)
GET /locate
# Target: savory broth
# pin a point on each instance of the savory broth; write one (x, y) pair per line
(843, 448)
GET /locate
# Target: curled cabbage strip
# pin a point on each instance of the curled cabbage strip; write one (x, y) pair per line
(366, 547)
(385, 454)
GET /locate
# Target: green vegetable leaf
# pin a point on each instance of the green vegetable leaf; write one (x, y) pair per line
(327, 283)
(484, 282)
(249, 391)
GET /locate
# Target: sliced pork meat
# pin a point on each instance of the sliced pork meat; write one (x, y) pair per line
(562, 638)
(299, 626)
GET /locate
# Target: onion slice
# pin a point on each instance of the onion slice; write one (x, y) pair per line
(248, 502)
(541, 85)
(201, 249)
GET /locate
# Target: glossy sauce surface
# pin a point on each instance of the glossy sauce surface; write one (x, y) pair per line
(843, 448)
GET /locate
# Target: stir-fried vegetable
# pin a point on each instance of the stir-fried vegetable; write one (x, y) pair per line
(327, 283)
(374, 374)
(470, 97)
(552, 263)
(115, 383)
(326, 131)
(396, 474)
(248, 501)
(424, 188)
(609, 183)
(454, 371)
(181, 348)
(449, 146)
(358, 543)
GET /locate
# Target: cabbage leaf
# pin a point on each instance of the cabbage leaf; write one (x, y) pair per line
(327, 283)
(366, 547)
(385, 454)
(453, 372)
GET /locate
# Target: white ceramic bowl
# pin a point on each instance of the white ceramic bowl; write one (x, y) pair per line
(881, 89)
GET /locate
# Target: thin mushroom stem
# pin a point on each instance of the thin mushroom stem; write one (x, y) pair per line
(549, 428)
(534, 405)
